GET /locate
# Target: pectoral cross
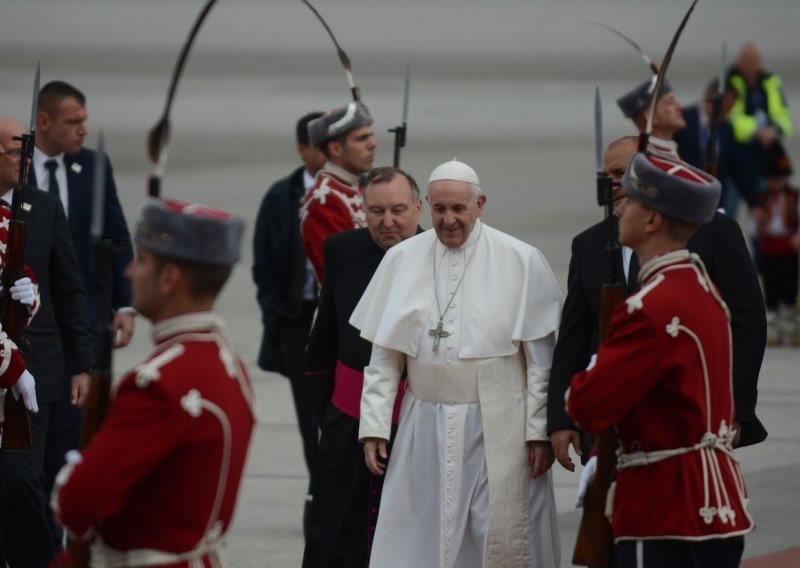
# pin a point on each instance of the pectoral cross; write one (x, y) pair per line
(437, 334)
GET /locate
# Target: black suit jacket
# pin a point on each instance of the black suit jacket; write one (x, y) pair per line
(351, 259)
(60, 327)
(80, 188)
(721, 245)
(279, 264)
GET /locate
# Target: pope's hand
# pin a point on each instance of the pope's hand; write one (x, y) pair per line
(26, 387)
(540, 458)
(22, 291)
(587, 475)
(375, 455)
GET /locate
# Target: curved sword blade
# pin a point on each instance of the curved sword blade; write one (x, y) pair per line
(652, 64)
(348, 68)
(158, 138)
(662, 72)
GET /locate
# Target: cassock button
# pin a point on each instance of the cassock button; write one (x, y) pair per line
(454, 278)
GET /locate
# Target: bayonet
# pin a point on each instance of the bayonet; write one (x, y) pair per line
(401, 130)
(158, 138)
(644, 137)
(348, 68)
(712, 155)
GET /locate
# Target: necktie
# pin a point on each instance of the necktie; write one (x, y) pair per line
(633, 274)
(52, 183)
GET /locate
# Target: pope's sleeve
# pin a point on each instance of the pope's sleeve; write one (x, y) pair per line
(539, 358)
(626, 368)
(381, 380)
(142, 428)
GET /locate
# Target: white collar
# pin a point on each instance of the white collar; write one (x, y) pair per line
(197, 321)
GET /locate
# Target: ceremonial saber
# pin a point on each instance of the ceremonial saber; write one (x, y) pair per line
(652, 64)
(644, 137)
(348, 68)
(158, 138)
(401, 130)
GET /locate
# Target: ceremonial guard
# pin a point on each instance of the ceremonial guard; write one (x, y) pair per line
(13, 373)
(667, 117)
(334, 204)
(158, 483)
(663, 379)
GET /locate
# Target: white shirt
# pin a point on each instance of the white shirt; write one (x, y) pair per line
(43, 175)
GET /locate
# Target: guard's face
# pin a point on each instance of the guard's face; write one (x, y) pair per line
(144, 272)
(668, 114)
(633, 222)
(392, 213)
(9, 159)
(454, 210)
(357, 152)
(65, 127)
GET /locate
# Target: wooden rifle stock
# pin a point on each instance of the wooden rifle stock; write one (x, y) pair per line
(94, 411)
(594, 542)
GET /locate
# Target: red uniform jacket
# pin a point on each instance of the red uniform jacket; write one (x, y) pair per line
(163, 472)
(11, 364)
(663, 377)
(333, 205)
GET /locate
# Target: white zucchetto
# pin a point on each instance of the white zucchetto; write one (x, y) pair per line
(454, 170)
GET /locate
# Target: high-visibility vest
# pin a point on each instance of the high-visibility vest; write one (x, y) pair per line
(745, 125)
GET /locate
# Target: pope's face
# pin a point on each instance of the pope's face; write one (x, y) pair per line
(454, 210)
(668, 115)
(392, 213)
(64, 128)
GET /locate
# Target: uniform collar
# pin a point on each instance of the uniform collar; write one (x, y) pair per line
(658, 263)
(185, 323)
(340, 174)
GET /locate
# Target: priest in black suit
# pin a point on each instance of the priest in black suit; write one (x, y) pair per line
(60, 330)
(347, 496)
(721, 245)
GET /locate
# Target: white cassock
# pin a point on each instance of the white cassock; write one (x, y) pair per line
(458, 491)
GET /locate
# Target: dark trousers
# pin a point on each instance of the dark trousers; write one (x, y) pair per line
(24, 533)
(669, 553)
(293, 340)
(346, 500)
(780, 279)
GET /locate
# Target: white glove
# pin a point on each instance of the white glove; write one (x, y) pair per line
(22, 291)
(587, 475)
(26, 386)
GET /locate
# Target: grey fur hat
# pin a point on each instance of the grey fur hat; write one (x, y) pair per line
(672, 187)
(635, 101)
(337, 122)
(190, 232)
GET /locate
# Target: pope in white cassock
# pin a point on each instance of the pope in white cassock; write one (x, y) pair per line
(470, 313)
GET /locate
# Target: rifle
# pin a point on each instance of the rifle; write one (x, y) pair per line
(400, 130)
(712, 156)
(594, 543)
(94, 411)
(17, 433)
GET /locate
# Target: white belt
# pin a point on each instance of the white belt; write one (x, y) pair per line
(451, 383)
(103, 556)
